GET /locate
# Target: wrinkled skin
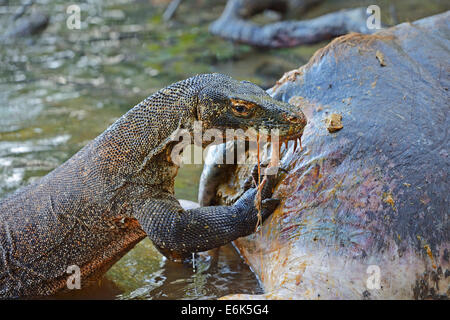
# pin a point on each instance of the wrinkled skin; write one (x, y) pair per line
(374, 193)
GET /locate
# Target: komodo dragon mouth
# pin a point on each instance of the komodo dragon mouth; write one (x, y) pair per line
(283, 140)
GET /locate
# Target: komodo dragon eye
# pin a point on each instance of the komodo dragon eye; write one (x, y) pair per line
(241, 108)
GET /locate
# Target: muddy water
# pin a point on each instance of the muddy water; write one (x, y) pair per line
(61, 89)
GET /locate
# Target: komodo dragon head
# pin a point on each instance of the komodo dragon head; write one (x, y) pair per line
(225, 103)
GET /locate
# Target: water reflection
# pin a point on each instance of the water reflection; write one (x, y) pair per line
(145, 274)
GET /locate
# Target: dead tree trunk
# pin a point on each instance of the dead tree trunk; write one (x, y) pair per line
(233, 26)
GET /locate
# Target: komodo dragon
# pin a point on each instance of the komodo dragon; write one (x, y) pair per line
(119, 189)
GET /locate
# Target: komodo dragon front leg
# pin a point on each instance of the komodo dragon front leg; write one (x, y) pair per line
(177, 232)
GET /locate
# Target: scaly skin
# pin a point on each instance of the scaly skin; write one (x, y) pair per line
(120, 188)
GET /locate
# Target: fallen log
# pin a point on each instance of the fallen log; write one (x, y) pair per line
(233, 26)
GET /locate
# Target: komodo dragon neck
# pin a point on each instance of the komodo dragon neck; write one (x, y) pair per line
(134, 151)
